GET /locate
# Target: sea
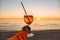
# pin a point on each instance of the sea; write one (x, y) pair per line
(16, 25)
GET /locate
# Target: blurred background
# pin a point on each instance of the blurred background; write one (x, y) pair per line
(46, 15)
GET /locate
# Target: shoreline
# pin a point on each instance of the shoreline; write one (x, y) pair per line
(32, 30)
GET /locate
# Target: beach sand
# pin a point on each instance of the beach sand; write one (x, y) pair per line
(38, 35)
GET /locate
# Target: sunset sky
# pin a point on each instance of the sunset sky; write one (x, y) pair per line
(39, 8)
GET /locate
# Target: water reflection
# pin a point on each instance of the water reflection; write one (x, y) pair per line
(36, 25)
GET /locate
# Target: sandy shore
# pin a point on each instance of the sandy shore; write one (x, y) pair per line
(38, 35)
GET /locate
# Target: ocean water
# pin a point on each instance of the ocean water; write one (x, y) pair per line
(15, 25)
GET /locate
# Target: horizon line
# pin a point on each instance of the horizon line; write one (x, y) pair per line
(34, 18)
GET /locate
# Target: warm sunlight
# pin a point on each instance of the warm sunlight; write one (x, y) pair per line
(38, 19)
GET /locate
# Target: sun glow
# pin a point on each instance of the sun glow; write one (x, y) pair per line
(38, 19)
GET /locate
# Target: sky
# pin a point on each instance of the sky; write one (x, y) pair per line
(38, 8)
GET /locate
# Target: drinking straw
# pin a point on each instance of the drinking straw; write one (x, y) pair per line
(23, 8)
